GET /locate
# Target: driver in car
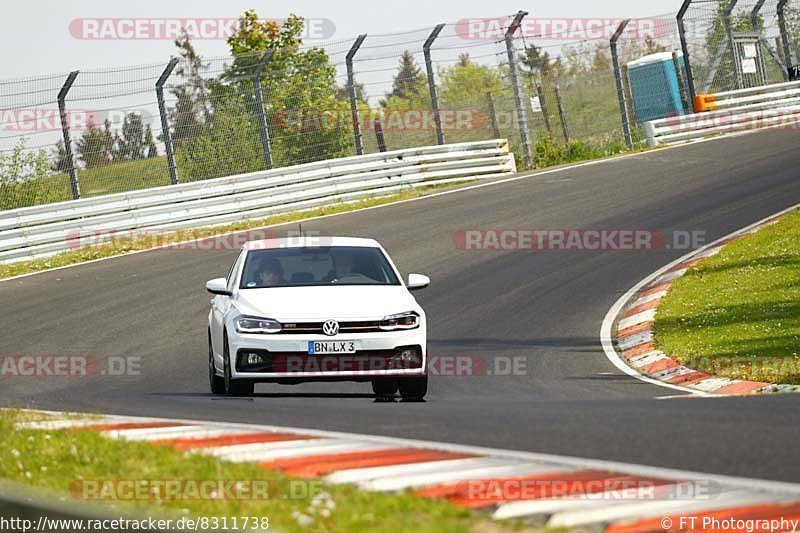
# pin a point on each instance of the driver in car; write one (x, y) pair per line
(271, 273)
(342, 266)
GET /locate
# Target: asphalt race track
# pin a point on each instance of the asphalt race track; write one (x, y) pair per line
(544, 306)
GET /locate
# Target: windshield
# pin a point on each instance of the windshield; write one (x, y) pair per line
(318, 266)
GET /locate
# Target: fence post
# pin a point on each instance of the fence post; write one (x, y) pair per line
(543, 103)
(351, 93)
(685, 49)
(562, 116)
(623, 108)
(162, 110)
(493, 115)
(754, 14)
(379, 135)
(737, 77)
(262, 118)
(426, 50)
(62, 112)
(787, 48)
(512, 67)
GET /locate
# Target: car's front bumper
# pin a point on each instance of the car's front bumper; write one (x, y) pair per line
(285, 356)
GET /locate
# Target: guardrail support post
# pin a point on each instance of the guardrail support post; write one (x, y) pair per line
(426, 50)
(512, 67)
(737, 76)
(543, 104)
(62, 112)
(685, 49)
(493, 115)
(379, 135)
(262, 119)
(562, 116)
(162, 110)
(351, 93)
(623, 108)
(788, 56)
(754, 14)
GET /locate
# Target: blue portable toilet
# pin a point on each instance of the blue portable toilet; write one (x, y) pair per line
(654, 86)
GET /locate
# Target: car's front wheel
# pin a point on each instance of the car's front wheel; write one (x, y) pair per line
(413, 389)
(217, 383)
(234, 387)
(384, 387)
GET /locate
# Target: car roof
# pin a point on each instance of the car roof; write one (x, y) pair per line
(310, 242)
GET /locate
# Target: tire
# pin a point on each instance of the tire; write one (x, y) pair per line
(216, 382)
(234, 387)
(413, 389)
(384, 388)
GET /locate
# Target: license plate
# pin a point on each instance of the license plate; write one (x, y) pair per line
(331, 347)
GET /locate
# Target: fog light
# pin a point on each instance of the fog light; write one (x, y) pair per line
(254, 359)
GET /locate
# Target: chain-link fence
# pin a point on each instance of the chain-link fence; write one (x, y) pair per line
(558, 89)
(736, 44)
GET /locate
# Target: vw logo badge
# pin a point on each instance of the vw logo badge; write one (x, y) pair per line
(330, 328)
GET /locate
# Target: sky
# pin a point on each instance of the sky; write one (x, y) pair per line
(40, 40)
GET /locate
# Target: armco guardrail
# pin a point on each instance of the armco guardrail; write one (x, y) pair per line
(728, 112)
(44, 230)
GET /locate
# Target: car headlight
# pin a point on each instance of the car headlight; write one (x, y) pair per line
(250, 324)
(407, 320)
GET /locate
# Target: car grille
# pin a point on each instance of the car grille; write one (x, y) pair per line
(301, 362)
(314, 328)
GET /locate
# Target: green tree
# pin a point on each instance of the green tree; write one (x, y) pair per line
(131, 141)
(60, 158)
(408, 80)
(22, 165)
(535, 61)
(468, 83)
(96, 146)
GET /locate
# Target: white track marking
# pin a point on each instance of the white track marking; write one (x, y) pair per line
(288, 449)
(550, 506)
(649, 298)
(67, 424)
(638, 318)
(182, 432)
(517, 469)
(606, 337)
(641, 363)
(635, 340)
(361, 475)
(650, 509)
(712, 384)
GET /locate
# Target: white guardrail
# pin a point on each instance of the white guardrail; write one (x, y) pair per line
(40, 231)
(729, 112)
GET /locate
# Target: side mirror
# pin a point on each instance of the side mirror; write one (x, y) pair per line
(417, 282)
(218, 286)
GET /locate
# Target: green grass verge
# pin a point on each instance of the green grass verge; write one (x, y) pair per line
(57, 460)
(737, 314)
(123, 246)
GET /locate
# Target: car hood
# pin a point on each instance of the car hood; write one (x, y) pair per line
(322, 303)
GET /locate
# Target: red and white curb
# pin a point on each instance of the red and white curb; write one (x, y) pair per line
(555, 490)
(630, 345)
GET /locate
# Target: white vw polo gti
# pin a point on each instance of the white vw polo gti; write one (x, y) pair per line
(317, 309)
